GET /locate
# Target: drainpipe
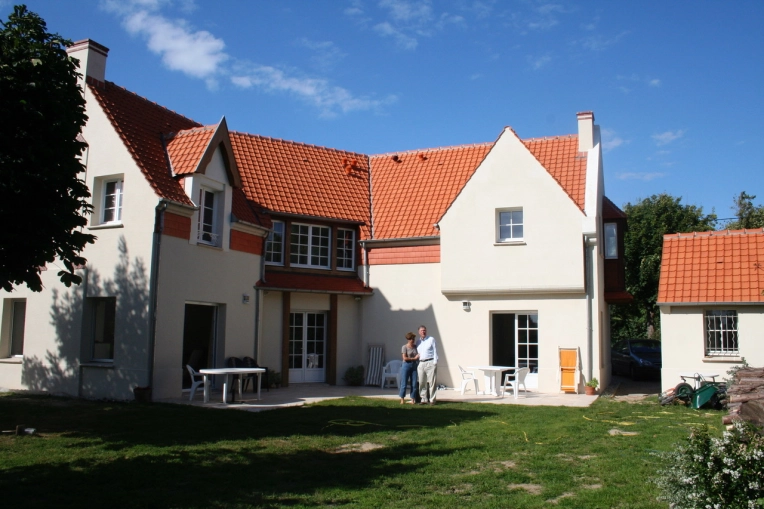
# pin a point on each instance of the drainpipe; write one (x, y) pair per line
(590, 243)
(153, 281)
(366, 263)
(257, 324)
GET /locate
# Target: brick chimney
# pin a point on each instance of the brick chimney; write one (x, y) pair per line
(585, 130)
(92, 57)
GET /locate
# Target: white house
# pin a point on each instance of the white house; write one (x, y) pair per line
(711, 299)
(214, 243)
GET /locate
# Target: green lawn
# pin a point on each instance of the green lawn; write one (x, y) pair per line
(353, 452)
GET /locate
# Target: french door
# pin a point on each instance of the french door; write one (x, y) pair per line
(515, 342)
(307, 347)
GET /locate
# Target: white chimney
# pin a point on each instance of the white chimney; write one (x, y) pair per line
(92, 57)
(585, 130)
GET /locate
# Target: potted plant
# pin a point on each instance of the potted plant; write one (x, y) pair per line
(354, 376)
(591, 387)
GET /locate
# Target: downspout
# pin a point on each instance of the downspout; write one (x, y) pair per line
(257, 305)
(365, 264)
(589, 244)
(153, 281)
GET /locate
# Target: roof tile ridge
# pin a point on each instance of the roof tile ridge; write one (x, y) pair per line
(193, 130)
(549, 138)
(434, 149)
(149, 101)
(298, 143)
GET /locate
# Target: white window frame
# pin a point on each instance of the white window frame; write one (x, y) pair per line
(103, 332)
(345, 248)
(309, 251)
(511, 223)
(611, 241)
(271, 253)
(119, 186)
(721, 333)
(17, 330)
(531, 332)
(212, 236)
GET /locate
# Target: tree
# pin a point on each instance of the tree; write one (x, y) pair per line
(748, 215)
(648, 221)
(43, 202)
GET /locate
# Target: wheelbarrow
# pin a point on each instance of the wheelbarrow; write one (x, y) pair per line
(705, 393)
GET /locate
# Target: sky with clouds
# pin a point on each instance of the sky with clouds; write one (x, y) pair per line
(675, 86)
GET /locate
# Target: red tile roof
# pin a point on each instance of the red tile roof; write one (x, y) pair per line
(141, 125)
(412, 190)
(295, 178)
(313, 283)
(186, 148)
(713, 267)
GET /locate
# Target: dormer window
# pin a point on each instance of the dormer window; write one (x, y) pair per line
(274, 245)
(345, 249)
(611, 241)
(309, 246)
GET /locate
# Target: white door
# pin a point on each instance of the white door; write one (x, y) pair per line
(307, 347)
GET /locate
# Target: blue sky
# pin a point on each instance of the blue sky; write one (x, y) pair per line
(675, 86)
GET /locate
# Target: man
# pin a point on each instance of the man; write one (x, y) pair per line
(428, 366)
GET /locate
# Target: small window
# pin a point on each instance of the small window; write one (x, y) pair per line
(611, 240)
(112, 201)
(104, 311)
(309, 245)
(345, 249)
(208, 229)
(274, 245)
(509, 225)
(721, 334)
(18, 320)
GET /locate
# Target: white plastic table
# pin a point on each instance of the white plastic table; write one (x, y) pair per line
(491, 375)
(227, 372)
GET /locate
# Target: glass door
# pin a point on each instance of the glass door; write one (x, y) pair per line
(307, 347)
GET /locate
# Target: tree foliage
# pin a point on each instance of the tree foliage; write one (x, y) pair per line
(748, 215)
(43, 202)
(648, 221)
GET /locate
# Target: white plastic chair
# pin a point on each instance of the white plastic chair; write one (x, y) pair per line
(197, 379)
(515, 384)
(467, 377)
(392, 372)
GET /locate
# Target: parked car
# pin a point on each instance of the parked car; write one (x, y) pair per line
(636, 357)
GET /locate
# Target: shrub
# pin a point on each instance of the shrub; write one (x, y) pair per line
(715, 473)
(354, 376)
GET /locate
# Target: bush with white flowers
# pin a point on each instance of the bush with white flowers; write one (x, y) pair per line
(715, 473)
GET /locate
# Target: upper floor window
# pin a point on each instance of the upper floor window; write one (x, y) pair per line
(509, 225)
(309, 245)
(208, 231)
(274, 245)
(611, 240)
(721, 333)
(112, 201)
(345, 249)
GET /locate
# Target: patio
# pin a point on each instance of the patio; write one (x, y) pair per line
(301, 394)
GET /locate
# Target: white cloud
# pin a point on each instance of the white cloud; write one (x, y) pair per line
(319, 92)
(668, 137)
(539, 62)
(654, 83)
(408, 12)
(199, 54)
(326, 54)
(599, 42)
(403, 41)
(610, 140)
(196, 53)
(640, 176)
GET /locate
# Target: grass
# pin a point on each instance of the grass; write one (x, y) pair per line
(352, 452)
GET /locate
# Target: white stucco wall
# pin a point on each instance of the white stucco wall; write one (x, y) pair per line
(550, 257)
(683, 342)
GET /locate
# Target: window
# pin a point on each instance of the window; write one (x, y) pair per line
(309, 245)
(611, 240)
(528, 342)
(112, 201)
(721, 334)
(274, 245)
(207, 232)
(510, 225)
(345, 249)
(104, 310)
(18, 318)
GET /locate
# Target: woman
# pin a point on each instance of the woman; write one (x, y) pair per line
(408, 370)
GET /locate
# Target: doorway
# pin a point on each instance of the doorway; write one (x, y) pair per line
(515, 342)
(307, 347)
(199, 326)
